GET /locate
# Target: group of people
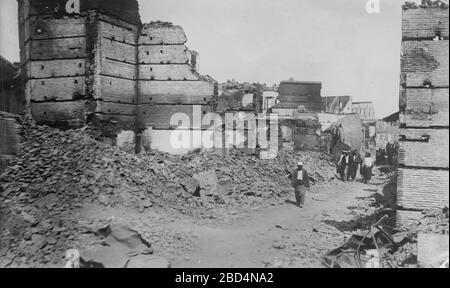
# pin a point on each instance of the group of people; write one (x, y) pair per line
(350, 162)
(348, 165)
(387, 156)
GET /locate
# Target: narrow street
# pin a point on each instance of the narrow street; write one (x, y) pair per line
(281, 235)
(277, 236)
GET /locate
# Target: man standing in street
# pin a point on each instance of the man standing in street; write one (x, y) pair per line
(366, 168)
(342, 165)
(300, 182)
(358, 163)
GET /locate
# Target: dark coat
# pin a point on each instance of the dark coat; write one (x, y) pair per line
(296, 182)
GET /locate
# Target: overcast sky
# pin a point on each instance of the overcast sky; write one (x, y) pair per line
(338, 43)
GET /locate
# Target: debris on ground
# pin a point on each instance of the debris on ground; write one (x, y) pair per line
(121, 247)
(435, 221)
(56, 173)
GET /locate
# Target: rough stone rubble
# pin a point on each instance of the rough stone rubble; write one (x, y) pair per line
(57, 172)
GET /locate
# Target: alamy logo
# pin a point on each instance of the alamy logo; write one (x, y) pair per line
(373, 6)
(73, 7)
(235, 130)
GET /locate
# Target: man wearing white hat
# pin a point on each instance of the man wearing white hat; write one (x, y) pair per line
(300, 182)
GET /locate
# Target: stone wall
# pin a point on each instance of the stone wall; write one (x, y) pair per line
(75, 64)
(103, 66)
(167, 85)
(423, 154)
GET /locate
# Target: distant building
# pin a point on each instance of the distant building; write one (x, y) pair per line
(297, 96)
(337, 104)
(387, 130)
(365, 110)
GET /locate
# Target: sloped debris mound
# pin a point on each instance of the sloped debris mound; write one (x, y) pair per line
(434, 221)
(69, 167)
(57, 172)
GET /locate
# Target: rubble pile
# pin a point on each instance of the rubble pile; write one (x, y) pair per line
(57, 172)
(432, 221)
(425, 4)
(72, 167)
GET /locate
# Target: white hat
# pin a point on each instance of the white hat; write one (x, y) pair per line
(300, 163)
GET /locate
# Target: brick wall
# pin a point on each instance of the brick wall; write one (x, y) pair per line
(105, 63)
(168, 85)
(423, 156)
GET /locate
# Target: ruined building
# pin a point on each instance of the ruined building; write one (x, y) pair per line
(365, 110)
(423, 157)
(240, 97)
(298, 96)
(103, 65)
(337, 104)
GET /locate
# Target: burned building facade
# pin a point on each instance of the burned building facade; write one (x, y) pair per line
(101, 64)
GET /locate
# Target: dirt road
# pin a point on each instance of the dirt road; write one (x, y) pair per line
(283, 235)
(277, 236)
